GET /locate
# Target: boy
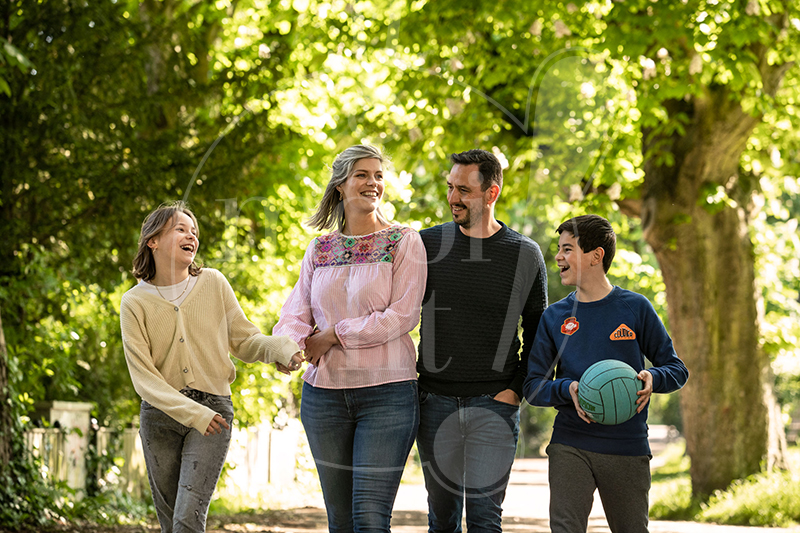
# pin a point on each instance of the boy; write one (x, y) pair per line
(573, 334)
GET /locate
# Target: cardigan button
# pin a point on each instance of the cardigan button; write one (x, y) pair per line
(181, 339)
(185, 370)
(176, 308)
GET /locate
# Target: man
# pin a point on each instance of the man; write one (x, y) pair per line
(482, 277)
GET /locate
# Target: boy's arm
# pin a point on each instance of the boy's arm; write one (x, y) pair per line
(540, 387)
(668, 371)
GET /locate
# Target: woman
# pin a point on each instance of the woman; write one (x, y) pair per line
(178, 325)
(357, 298)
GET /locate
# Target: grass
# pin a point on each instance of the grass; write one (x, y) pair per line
(767, 500)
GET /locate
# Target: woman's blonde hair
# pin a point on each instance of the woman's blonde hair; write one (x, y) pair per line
(330, 210)
(144, 265)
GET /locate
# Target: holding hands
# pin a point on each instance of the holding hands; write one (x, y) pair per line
(294, 364)
(318, 344)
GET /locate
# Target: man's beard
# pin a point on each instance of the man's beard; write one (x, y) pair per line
(467, 218)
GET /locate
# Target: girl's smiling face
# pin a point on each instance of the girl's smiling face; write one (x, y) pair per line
(177, 242)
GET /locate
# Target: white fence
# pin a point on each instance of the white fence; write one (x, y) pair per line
(259, 456)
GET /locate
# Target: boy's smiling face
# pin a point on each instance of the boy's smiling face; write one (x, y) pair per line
(573, 263)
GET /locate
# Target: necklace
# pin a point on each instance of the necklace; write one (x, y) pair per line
(375, 229)
(188, 278)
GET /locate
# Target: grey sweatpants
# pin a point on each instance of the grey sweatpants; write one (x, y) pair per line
(623, 482)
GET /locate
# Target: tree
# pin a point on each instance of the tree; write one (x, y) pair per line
(129, 105)
(6, 422)
(685, 86)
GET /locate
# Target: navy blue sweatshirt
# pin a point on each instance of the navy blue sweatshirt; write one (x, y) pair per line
(574, 335)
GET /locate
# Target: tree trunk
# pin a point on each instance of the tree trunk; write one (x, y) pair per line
(694, 214)
(6, 422)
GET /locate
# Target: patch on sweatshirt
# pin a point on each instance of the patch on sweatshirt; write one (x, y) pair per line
(623, 333)
(570, 326)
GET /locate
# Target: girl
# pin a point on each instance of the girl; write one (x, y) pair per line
(178, 325)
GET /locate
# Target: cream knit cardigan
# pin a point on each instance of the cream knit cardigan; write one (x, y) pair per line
(169, 347)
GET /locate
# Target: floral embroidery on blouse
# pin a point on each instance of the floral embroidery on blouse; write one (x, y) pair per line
(335, 249)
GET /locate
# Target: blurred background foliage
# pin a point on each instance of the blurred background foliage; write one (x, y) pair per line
(109, 108)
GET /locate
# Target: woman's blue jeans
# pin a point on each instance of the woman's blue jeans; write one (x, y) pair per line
(360, 439)
(183, 465)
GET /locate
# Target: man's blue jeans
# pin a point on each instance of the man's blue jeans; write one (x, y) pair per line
(467, 447)
(360, 439)
(183, 465)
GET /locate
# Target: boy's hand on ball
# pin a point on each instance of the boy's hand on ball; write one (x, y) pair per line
(647, 389)
(573, 391)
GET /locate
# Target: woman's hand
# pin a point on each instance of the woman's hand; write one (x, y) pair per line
(573, 391)
(318, 344)
(216, 425)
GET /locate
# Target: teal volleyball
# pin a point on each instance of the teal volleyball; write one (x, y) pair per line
(607, 392)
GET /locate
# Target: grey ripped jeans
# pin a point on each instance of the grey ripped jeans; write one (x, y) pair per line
(183, 465)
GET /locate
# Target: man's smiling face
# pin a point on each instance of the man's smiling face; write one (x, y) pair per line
(464, 195)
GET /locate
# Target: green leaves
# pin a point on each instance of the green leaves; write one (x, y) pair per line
(238, 107)
(11, 57)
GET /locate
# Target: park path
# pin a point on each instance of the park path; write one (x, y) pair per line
(525, 509)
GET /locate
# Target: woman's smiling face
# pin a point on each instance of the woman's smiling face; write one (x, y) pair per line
(363, 188)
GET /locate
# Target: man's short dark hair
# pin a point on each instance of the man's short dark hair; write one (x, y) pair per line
(489, 166)
(592, 232)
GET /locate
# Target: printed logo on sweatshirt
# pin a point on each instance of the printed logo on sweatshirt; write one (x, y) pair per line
(623, 333)
(570, 326)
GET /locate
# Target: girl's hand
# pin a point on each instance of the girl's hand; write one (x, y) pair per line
(297, 361)
(216, 425)
(294, 364)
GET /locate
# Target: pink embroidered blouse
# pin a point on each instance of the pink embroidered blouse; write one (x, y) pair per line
(370, 288)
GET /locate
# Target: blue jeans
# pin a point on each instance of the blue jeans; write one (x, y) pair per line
(183, 465)
(360, 439)
(467, 447)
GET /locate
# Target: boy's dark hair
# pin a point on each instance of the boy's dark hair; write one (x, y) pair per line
(592, 232)
(488, 166)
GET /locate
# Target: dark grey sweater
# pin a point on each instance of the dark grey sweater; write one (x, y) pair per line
(477, 290)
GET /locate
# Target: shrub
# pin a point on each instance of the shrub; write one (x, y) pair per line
(768, 499)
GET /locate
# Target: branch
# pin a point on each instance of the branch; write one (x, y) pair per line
(772, 75)
(630, 207)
